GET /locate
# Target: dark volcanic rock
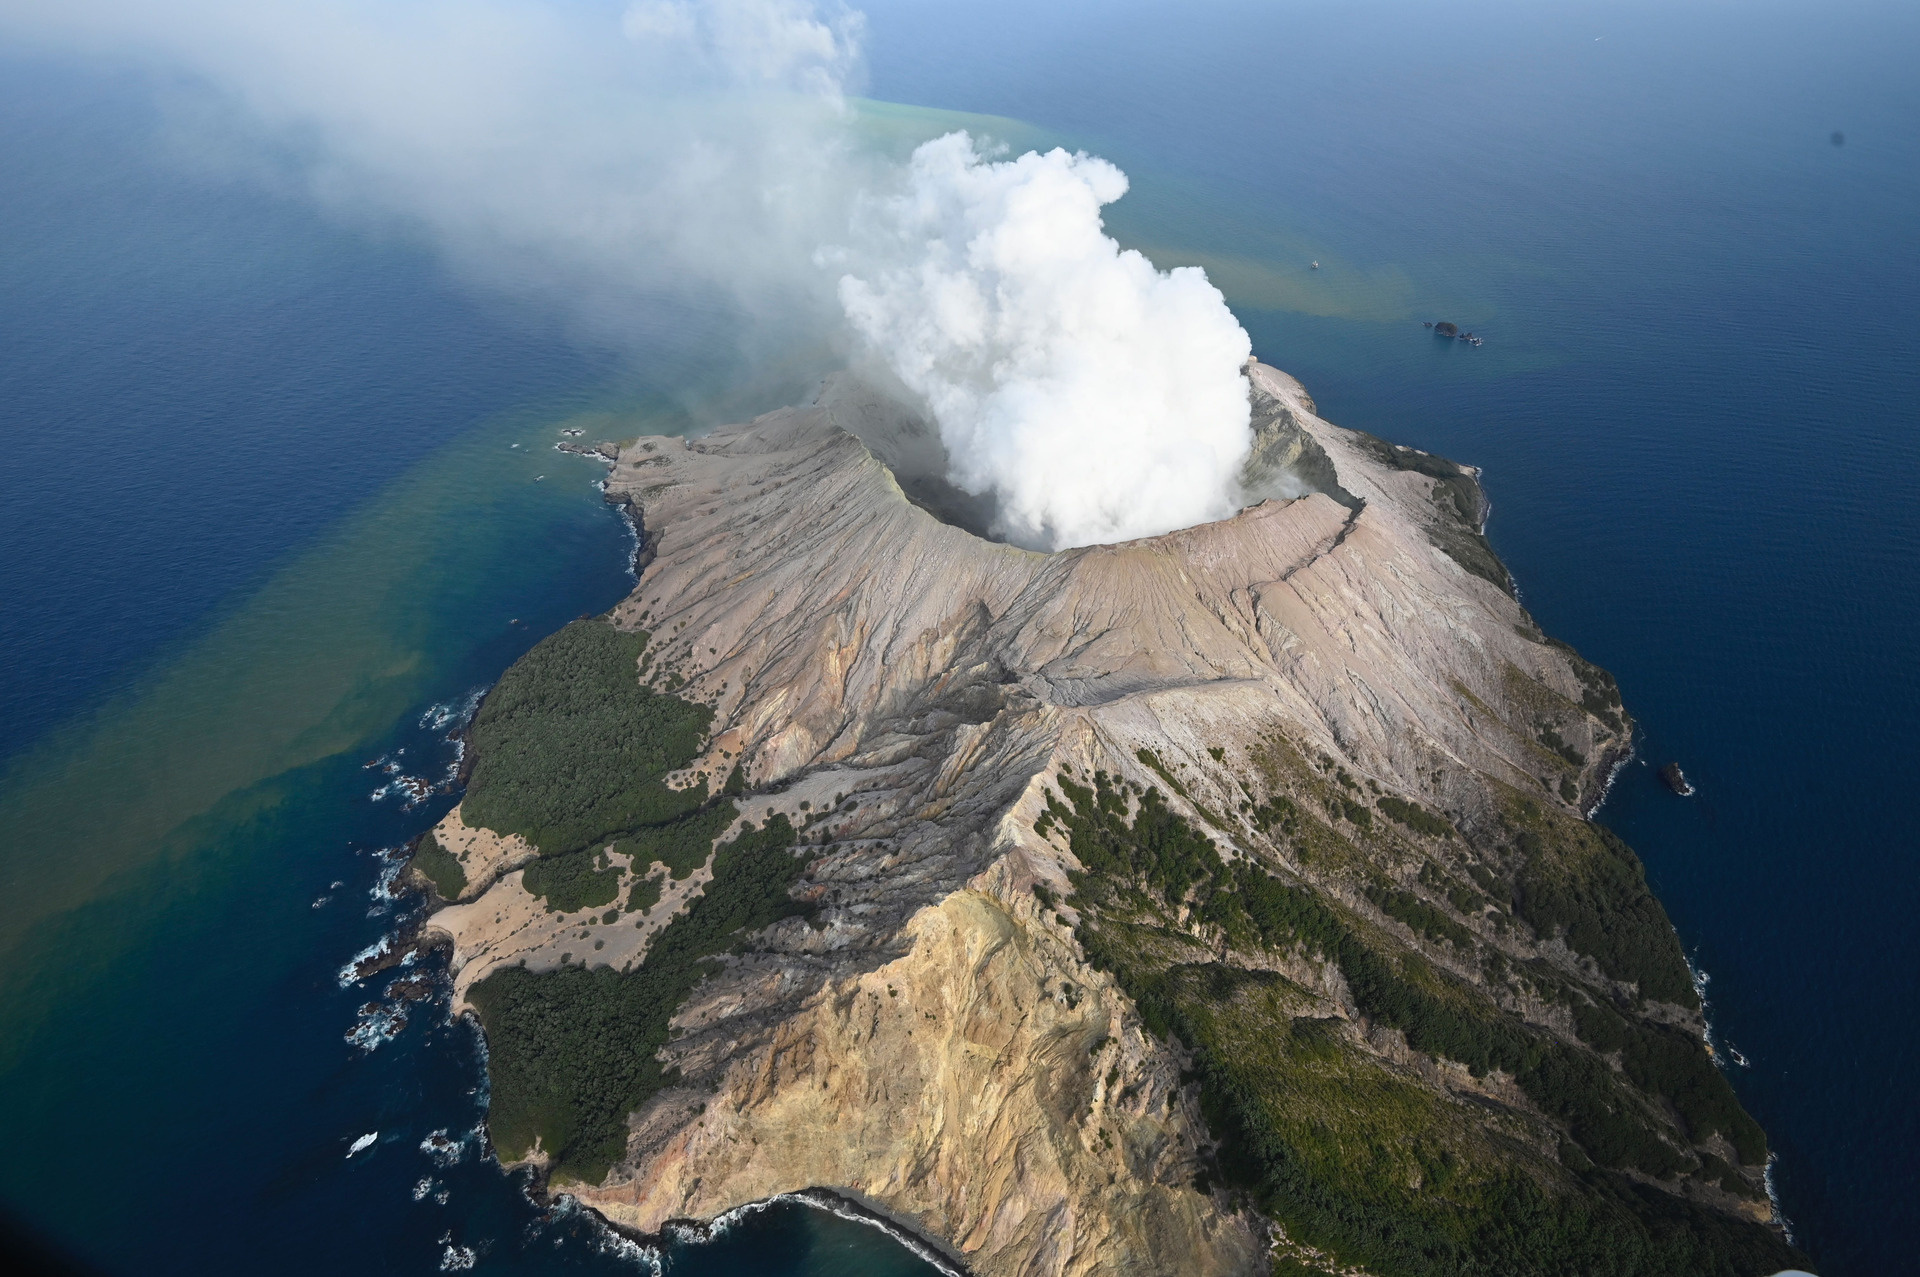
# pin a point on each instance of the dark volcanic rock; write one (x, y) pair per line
(1673, 778)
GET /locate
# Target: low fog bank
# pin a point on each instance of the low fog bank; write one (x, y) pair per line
(605, 156)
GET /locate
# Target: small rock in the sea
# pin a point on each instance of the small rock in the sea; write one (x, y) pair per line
(442, 1148)
(1676, 780)
(411, 989)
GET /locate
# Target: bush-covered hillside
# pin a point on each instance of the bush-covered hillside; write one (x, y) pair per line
(570, 747)
(573, 1051)
(1366, 1160)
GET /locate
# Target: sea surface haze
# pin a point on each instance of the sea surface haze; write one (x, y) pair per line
(280, 498)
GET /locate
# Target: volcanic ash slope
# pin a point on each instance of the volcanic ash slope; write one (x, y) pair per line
(1337, 690)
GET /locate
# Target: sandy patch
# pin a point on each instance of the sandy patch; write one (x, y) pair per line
(509, 925)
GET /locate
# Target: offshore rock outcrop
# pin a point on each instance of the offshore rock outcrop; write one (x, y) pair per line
(934, 1040)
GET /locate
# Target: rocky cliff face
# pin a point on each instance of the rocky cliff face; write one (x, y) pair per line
(996, 1027)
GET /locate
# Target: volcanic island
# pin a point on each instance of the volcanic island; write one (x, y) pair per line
(1219, 902)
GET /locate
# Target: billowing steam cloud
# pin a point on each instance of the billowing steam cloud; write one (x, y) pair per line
(606, 154)
(1098, 399)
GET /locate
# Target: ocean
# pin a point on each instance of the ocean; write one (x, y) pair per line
(265, 523)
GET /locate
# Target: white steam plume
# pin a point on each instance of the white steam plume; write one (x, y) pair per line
(1097, 398)
(603, 154)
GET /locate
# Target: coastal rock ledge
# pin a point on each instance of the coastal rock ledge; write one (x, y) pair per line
(1218, 902)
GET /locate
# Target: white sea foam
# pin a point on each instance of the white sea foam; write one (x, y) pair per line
(1613, 774)
(1701, 979)
(1773, 1199)
(619, 1246)
(411, 790)
(458, 1259)
(833, 1204)
(444, 1149)
(350, 973)
(454, 713)
(377, 1023)
(382, 892)
(608, 1240)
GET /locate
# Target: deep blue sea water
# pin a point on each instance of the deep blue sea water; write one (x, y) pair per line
(261, 511)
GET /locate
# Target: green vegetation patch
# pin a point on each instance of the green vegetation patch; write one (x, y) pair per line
(573, 1051)
(645, 894)
(1349, 1156)
(1581, 882)
(1666, 1062)
(1414, 817)
(1156, 844)
(1551, 739)
(682, 846)
(578, 880)
(1152, 760)
(1599, 693)
(1422, 917)
(1278, 814)
(1458, 894)
(439, 867)
(570, 747)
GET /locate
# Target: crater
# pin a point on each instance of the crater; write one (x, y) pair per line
(1285, 463)
(910, 446)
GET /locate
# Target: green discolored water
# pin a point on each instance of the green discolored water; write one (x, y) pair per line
(463, 558)
(189, 868)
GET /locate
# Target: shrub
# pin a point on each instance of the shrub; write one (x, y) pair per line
(1277, 812)
(1355, 1168)
(1551, 739)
